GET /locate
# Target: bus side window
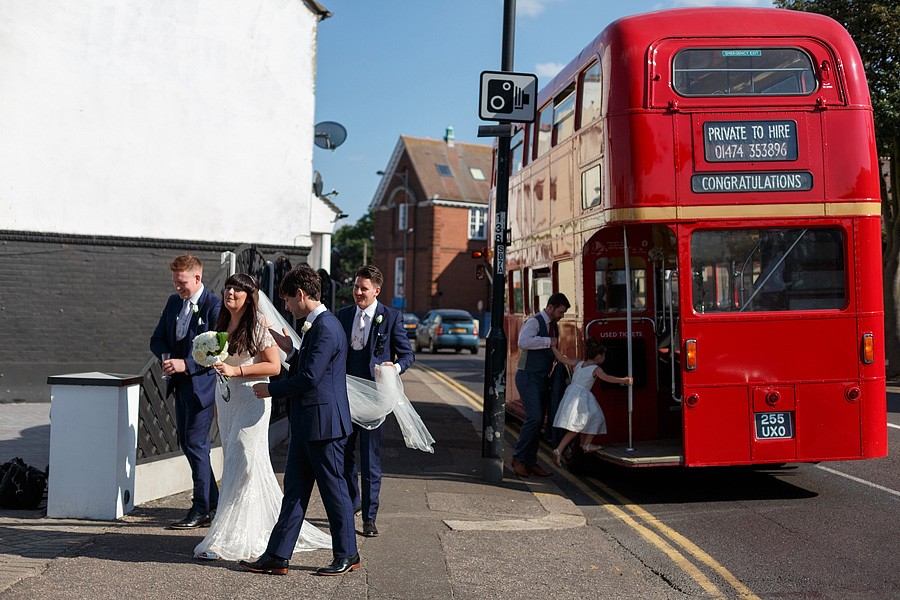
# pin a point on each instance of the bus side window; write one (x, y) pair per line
(517, 151)
(517, 294)
(564, 115)
(591, 87)
(541, 288)
(544, 131)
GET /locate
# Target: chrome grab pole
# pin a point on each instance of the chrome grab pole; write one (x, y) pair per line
(628, 342)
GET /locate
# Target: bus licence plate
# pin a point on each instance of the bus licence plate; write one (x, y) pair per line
(774, 425)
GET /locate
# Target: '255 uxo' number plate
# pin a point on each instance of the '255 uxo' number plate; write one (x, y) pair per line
(774, 425)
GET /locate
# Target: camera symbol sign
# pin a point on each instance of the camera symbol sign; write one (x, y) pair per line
(506, 96)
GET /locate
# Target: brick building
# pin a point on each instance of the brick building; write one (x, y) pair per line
(430, 212)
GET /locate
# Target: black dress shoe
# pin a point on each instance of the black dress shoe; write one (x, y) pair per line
(268, 564)
(369, 529)
(339, 566)
(192, 520)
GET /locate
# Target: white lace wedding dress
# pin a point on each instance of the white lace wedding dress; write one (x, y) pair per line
(249, 495)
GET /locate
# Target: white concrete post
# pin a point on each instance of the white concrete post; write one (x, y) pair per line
(93, 445)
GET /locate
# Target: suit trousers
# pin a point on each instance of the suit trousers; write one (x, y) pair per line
(533, 391)
(369, 468)
(192, 424)
(309, 463)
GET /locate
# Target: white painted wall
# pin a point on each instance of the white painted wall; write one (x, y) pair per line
(152, 118)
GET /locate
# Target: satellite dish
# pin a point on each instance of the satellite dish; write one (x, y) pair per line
(329, 135)
(317, 183)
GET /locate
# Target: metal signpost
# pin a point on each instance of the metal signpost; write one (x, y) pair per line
(506, 97)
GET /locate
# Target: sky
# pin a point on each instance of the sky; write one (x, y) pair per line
(387, 68)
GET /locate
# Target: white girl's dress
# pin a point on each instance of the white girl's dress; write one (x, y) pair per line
(249, 496)
(578, 410)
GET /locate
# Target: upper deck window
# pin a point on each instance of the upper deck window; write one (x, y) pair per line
(591, 88)
(564, 115)
(517, 150)
(544, 131)
(743, 72)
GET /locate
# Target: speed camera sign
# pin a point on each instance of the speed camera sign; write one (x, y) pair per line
(507, 96)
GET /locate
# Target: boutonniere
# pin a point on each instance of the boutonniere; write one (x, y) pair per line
(196, 309)
(379, 319)
(306, 327)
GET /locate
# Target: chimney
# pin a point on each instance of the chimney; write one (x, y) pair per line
(449, 137)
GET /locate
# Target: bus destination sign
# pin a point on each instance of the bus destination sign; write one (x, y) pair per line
(757, 181)
(749, 141)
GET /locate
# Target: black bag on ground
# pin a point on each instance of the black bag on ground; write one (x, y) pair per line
(21, 486)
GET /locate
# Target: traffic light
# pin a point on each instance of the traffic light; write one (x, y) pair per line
(483, 256)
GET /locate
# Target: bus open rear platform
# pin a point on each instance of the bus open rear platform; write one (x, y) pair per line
(656, 453)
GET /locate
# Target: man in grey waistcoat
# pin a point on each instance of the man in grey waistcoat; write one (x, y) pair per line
(533, 381)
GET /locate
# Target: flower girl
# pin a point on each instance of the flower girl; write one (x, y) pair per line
(579, 412)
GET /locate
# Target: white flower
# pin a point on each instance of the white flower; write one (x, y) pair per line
(378, 319)
(306, 327)
(195, 308)
(210, 347)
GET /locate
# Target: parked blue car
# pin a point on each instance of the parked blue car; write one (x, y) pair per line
(446, 328)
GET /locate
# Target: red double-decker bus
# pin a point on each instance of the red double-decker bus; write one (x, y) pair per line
(703, 185)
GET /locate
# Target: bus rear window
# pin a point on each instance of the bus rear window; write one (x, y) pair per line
(743, 72)
(750, 270)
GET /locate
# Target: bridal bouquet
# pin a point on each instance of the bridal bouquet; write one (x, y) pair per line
(210, 347)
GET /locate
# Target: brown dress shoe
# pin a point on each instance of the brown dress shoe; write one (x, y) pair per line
(537, 470)
(519, 467)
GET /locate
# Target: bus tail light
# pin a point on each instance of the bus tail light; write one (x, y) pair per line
(690, 355)
(852, 394)
(868, 348)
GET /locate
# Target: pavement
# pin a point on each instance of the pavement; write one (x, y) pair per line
(446, 532)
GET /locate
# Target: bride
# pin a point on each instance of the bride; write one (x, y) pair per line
(249, 496)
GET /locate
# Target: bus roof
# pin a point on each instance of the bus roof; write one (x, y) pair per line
(626, 41)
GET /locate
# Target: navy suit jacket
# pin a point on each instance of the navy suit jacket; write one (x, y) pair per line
(198, 382)
(387, 342)
(318, 383)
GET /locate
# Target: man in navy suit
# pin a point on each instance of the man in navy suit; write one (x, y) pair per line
(320, 424)
(377, 340)
(192, 309)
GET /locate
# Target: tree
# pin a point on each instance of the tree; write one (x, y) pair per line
(351, 246)
(873, 25)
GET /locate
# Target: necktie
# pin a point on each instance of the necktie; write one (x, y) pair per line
(359, 339)
(183, 320)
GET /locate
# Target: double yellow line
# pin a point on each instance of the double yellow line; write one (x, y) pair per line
(641, 521)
